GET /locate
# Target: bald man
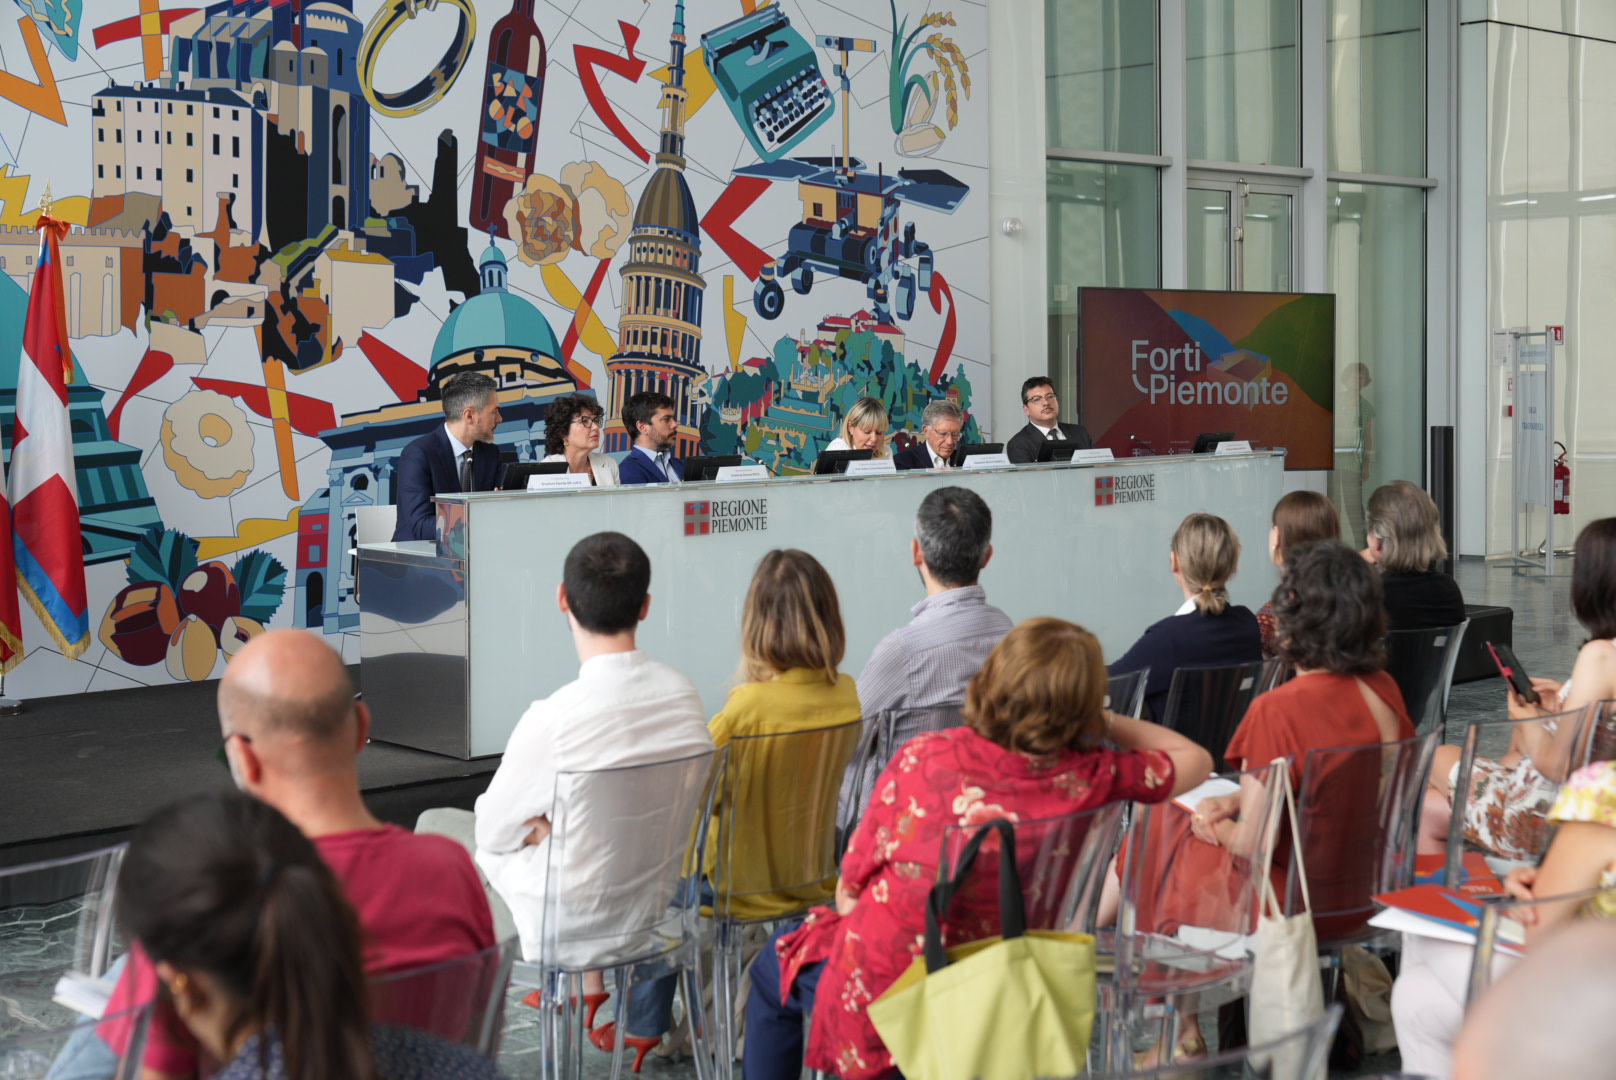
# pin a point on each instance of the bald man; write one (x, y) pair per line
(1550, 1016)
(292, 732)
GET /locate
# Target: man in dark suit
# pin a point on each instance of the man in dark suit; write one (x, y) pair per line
(940, 427)
(1038, 401)
(459, 456)
(649, 418)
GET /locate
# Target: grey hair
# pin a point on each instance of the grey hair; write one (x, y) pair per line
(1406, 521)
(954, 527)
(467, 390)
(941, 409)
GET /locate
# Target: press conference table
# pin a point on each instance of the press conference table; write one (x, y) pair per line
(459, 635)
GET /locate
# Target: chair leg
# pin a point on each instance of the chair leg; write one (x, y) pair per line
(701, 1029)
(621, 976)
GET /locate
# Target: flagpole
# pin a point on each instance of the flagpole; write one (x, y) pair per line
(9, 706)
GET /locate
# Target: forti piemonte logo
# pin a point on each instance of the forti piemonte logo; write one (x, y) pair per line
(698, 518)
(1104, 490)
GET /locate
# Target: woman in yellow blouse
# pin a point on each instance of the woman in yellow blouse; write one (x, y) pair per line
(792, 643)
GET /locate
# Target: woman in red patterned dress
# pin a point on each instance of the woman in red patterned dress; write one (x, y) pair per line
(1031, 749)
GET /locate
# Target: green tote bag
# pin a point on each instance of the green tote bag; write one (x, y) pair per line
(1004, 1008)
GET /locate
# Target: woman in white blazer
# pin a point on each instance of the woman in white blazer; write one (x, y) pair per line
(572, 434)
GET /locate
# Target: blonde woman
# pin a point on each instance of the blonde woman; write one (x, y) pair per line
(792, 643)
(1206, 630)
(1405, 542)
(864, 428)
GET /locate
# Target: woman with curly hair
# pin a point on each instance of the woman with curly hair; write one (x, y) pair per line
(572, 429)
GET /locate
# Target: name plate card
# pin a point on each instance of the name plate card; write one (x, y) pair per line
(742, 472)
(1233, 446)
(1091, 457)
(872, 467)
(558, 481)
(987, 461)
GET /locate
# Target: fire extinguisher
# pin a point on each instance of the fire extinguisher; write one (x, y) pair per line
(1562, 482)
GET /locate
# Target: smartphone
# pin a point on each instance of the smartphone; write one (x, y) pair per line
(1510, 668)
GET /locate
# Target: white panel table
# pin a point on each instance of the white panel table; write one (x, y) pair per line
(458, 636)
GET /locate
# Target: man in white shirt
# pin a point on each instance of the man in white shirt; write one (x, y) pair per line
(649, 418)
(1041, 407)
(623, 709)
(940, 428)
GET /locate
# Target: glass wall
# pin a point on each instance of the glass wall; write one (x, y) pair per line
(1377, 272)
(1104, 229)
(1100, 75)
(1241, 81)
(1377, 78)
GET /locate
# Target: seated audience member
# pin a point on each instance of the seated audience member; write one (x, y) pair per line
(293, 732)
(929, 662)
(792, 643)
(1206, 630)
(1509, 796)
(459, 456)
(1300, 517)
(259, 951)
(1550, 1016)
(572, 434)
(1041, 407)
(940, 427)
(1034, 746)
(864, 428)
(1331, 626)
(651, 423)
(1405, 541)
(1428, 999)
(623, 709)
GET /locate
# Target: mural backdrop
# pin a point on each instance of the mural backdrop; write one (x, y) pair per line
(294, 219)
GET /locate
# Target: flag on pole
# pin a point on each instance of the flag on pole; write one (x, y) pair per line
(47, 545)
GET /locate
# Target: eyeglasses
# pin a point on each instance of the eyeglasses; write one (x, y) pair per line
(587, 421)
(1039, 399)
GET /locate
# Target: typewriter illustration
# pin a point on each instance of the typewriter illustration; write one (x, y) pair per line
(769, 76)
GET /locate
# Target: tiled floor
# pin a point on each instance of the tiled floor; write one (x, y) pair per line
(1546, 640)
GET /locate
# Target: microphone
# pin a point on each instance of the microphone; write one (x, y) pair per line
(1144, 447)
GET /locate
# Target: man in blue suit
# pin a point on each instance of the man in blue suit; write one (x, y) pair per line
(459, 456)
(649, 417)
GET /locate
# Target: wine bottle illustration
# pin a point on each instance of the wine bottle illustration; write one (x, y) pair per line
(513, 92)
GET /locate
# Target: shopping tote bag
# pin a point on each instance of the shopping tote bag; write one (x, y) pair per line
(1003, 1008)
(1286, 992)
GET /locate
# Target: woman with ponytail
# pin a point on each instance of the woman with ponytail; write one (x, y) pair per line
(259, 952)
(1207, 630)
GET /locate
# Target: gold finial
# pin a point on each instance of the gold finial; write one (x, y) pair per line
(45, 200)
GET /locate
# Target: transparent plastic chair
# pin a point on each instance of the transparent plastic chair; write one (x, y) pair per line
(1422, 662)
(620, 871)
(1206, 704)
(773, 854)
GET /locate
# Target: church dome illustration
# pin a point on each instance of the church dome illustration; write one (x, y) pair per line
(666, 204)
(494, 318)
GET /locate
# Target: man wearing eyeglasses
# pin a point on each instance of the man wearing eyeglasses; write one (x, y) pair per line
(1039, 402)
(459, 456)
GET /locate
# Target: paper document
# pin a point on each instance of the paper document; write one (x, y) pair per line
(1215, 786)
(83, 994)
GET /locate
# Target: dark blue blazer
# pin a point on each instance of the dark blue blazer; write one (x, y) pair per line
(918, 456)
(427, 468)
(1192, 640)
(636, 468)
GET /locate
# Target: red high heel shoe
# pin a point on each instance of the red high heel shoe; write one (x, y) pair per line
(605, 1037)
(592, 1002)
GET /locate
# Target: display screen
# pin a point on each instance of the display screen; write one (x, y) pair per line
(1156, 368)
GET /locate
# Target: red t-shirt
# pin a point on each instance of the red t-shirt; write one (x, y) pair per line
(419, 902)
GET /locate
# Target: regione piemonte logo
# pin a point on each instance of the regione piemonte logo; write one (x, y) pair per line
(698, 518)
(1104, 490)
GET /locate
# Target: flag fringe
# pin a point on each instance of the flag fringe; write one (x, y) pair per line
(71, 650)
